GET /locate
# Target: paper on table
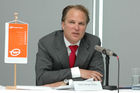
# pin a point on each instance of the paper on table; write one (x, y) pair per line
(87, 85)
(71, 87)
(33, 87)
(67, 87)
(2, 87)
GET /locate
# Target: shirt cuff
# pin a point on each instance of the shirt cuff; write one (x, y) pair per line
(75, 71)
(70, 82)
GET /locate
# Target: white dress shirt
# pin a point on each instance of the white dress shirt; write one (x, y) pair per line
(75, 71)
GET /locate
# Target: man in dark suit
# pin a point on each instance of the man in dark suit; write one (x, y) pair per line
(53, 60)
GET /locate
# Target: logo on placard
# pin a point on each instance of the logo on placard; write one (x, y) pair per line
(15, 52)
(11, 27)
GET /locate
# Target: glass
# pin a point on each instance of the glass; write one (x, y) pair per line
(136, 78)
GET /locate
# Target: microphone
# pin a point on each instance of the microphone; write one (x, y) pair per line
(105, 51)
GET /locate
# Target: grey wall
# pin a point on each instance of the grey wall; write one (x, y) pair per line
(121, 33)
(43, 17)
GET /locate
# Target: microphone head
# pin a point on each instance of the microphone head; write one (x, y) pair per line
(109, 52)
(105, 51)
(98, 48)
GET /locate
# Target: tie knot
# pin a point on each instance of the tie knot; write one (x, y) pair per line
(73, 48)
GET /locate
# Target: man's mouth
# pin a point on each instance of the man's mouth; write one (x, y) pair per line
(75, 34)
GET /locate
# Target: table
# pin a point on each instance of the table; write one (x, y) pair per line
(66, 91)
(29, 89)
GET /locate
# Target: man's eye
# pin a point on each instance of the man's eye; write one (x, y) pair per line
(81, 23)
(72, 22)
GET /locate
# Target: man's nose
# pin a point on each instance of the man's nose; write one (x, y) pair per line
(76, 26)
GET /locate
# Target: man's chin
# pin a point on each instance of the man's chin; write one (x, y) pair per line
(76, 40)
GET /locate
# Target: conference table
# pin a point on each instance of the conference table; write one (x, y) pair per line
(34, 89)
(67, 91)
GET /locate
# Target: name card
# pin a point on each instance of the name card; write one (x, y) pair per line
(87, 85)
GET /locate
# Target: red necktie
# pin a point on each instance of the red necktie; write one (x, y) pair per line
(72, 55)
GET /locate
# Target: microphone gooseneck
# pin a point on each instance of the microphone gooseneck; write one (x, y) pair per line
(105, 51)
(109, 53)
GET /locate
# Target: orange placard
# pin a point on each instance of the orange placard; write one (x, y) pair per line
(17, 45)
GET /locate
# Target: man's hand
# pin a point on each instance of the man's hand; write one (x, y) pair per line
(56, 84)
(86, 74)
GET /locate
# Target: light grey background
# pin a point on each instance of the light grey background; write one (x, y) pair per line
(43, 16)
(120, 33)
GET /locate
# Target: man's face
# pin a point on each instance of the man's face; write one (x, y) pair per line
(74, 25)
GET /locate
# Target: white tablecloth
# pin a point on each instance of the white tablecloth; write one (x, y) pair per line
(34, 89)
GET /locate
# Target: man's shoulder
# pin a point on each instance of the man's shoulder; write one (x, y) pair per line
(51, 36)
(91, 37)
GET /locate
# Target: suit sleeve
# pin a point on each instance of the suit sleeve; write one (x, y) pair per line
(97, 63)
(45, 73)
(95, 59)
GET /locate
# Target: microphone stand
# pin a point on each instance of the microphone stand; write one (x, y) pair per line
(107, 76)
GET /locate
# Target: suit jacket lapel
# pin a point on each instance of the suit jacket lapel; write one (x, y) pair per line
(61, 50)
(62, 53)
(82, 53)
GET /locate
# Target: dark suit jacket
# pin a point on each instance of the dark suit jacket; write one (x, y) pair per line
(52, 61)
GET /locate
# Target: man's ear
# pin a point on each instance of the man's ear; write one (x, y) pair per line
(62, 24)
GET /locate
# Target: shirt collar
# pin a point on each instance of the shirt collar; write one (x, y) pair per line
(67, 43)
